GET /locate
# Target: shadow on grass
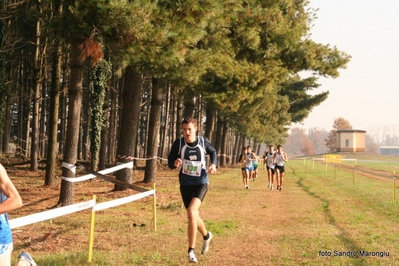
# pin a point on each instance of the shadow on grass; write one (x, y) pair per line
(349, 243)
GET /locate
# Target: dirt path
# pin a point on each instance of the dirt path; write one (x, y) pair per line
(254, 226)
(264, 220)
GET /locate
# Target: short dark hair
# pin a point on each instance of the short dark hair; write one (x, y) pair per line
(188, 120)
(279, 146)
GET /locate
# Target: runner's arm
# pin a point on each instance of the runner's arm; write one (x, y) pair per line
(212, 154)
(173, 154)
(13, 200)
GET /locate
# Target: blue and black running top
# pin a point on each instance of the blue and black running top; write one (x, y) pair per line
(193, 171)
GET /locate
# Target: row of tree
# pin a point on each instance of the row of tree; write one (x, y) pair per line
(105, 80)
(315, 140)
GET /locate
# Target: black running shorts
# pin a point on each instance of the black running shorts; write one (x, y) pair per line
(280, 168)
(271, 169)
(190, 192)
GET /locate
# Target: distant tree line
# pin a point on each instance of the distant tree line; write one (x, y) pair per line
(311, 141)
(107, 80)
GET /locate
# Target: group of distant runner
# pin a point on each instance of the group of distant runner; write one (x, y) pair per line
(188, 153)
(273, 160)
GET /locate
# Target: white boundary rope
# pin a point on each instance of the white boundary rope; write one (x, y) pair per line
(47, 215)
(103, 172)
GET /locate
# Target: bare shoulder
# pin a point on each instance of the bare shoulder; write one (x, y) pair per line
(3, 174)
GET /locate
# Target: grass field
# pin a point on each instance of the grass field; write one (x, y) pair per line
(319, 218)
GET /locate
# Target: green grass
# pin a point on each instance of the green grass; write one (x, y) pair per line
(319, 215)
(364, 215)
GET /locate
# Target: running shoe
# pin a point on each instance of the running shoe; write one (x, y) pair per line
(205, 245)
(24, 256)
(246, 186)
(271, 187)
(191, 257)
(278, 187)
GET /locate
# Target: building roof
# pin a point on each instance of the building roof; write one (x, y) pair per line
(351, 130)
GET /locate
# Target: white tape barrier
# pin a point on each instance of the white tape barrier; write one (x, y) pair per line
(113, 203)
(69, 166)
(47, 215)
(103, 172)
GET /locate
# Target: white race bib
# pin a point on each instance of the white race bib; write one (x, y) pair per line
(192, 168)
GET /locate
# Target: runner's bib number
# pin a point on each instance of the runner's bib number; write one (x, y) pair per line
(192, 168)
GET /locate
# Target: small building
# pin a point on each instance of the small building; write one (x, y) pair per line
(351, 140)
(389, 150)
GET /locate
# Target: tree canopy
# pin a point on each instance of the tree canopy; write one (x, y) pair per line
(340, 123)
(240, 61)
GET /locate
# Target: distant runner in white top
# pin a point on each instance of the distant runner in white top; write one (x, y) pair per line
(270, 167)
(279, 159)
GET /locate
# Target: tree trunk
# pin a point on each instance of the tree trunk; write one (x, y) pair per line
(129, 123)
(36, 102)
(236, 150)
(27, 103)
(43, 129)
(97, 99)
(63, 109)
(144, 123)
(73, 125)
(209, 124)
(114, 115)
(22, 121)
(179, 116)
(4, 93)
(189, 105)
(153, 134)
(52, 152)
(223, 148)
(164, 149)
(104, 135)
(200, 115)
(84, 141)
(6, 125)
(218, 141)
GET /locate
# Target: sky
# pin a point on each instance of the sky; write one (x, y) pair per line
(367, 92)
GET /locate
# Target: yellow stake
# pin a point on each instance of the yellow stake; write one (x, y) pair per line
(91, 237)
(154, 208)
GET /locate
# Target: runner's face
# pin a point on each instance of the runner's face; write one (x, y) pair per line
(189, 132)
